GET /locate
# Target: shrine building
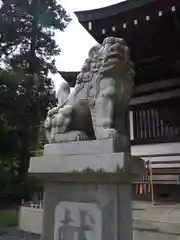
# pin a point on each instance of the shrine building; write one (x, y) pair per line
(151, 28)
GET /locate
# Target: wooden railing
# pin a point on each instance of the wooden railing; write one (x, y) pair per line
(155, 122)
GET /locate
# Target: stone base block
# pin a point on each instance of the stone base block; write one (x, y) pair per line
(87, 190)
(91, 212)
(85, 157)
(105, 146)
(107, 163)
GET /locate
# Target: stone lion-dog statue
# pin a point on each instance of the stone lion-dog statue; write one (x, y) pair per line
(97, 107)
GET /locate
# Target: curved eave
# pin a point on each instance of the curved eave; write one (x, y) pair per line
(67, 74)
(70, 77)
(100, 13)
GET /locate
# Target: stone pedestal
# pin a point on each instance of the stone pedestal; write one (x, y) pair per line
(87, 191)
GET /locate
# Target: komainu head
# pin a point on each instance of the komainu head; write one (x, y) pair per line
(112, 55)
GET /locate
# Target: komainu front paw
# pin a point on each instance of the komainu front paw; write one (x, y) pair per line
(81, 136)
(111, 133)
(106, 133)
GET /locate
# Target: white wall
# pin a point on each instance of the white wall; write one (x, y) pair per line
(30, 220)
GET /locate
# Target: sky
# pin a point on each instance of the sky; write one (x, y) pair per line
(75, 41)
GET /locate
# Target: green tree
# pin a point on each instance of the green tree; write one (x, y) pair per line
(27, 33)
(23, 103)
(27, 48)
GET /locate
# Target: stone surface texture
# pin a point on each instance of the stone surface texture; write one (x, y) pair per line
(87, 190)
(97, 108)
(78, 220)
(97, 156)
(113, 218)
(104, 146)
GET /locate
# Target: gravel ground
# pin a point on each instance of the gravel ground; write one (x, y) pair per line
(15, 234)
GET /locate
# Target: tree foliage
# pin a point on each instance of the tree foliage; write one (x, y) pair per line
(27, 48)
(24, 100)
(27, 30)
